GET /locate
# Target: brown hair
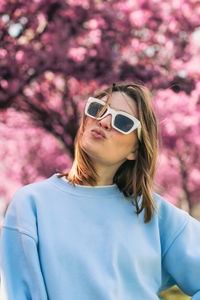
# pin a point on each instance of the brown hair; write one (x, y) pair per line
(134, 178)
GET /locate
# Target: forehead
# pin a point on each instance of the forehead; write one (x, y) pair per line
(121, 101)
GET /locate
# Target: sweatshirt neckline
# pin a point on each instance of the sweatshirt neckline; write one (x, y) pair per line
(66, 186)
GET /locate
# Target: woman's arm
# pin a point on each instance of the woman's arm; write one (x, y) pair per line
(21, 276)
(182, 259)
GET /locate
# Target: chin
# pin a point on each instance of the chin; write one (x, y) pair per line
(89, 146)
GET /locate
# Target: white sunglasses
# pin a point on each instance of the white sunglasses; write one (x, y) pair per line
(121, 121)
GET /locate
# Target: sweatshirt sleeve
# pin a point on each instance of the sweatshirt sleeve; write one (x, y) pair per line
(182, 258)
(21, 274)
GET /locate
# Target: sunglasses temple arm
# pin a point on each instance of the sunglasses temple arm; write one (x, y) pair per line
(139, 132)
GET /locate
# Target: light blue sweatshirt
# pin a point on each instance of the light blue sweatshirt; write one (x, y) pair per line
(62, 242)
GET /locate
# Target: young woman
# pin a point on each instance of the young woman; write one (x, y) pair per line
(99, 232)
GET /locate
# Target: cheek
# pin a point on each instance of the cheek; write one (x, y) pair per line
(86, 128)
(126, 142)
(86, 138)
(120, 146)
(89, 122)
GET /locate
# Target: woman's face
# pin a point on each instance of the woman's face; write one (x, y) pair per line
(115, 147)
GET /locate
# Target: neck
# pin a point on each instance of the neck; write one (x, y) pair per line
(105, 174)
(104, 178)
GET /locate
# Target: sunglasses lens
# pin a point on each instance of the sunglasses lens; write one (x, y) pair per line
(94, 109)
(123, 123)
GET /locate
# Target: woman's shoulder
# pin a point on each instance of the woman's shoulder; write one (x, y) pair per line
(171, 219)
(32, 190)
(168, 212)
(23, 205)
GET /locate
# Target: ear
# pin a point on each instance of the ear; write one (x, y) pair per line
(132, 156)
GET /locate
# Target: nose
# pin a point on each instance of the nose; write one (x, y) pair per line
(106, 122)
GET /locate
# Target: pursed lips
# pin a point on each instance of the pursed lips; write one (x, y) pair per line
(99, 132)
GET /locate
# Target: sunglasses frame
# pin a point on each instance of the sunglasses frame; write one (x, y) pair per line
(114, 113)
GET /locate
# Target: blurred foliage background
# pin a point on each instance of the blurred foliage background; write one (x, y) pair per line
(55, 53)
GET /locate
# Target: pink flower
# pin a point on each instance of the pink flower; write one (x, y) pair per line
(77, 53)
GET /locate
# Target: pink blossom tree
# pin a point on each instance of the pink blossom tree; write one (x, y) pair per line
(178, 168)
(27, 154)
